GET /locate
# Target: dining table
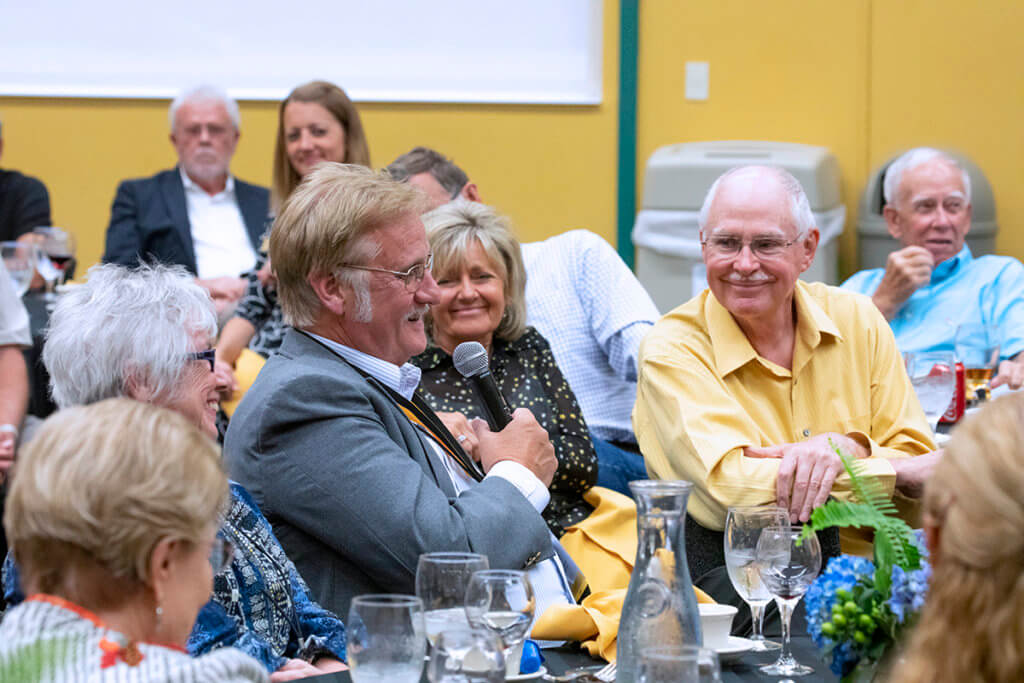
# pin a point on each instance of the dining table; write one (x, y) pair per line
(735, 669)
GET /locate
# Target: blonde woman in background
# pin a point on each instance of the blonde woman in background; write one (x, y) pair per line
(112, 517)
(972, 626)
(317, 122)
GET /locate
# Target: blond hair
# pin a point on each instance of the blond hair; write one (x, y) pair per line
(971, 627)
(334, 100)
(98, 487)
(453, 227)
(326, 223)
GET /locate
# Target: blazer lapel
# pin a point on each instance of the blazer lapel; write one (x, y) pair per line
(174, 198)
(254, 211)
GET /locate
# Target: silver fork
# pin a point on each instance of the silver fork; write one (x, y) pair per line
(607, 674)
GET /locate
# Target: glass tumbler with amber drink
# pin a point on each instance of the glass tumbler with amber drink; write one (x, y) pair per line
(977, 347)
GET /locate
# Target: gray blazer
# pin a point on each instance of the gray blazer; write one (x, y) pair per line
(353, 490)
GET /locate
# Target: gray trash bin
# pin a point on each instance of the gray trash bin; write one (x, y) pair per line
(874, 244)
(666, 236)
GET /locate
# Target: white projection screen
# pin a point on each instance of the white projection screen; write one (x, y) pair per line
(526, 51)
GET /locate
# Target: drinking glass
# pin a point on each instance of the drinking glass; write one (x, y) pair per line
(59, 247)
(933, 374)
(685, 663)
(441, 582)
(20, 262)
(977, 347)
(743, 526)
(386, 638)
(464, 654)
(788, 565)
(501, 601)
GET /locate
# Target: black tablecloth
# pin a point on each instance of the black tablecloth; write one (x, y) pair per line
(560, 660)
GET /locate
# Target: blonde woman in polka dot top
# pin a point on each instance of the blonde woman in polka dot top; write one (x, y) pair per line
(479, 269)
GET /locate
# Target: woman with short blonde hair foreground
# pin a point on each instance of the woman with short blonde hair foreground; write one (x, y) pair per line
(972, 626)
(112, 518)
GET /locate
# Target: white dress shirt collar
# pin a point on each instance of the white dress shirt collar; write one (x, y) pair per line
(403, 379)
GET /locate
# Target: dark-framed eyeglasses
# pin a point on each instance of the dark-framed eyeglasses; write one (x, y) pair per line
(208, 355)
(220, 553)
(762, 247)
(411, 278)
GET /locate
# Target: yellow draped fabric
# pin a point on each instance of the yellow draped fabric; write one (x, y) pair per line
(604, 547)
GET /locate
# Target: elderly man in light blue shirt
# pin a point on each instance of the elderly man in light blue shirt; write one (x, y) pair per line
(934, 284)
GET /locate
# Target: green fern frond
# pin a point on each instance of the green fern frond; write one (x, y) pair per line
(866, 489)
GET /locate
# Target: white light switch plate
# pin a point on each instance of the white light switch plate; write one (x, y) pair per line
(697, 80)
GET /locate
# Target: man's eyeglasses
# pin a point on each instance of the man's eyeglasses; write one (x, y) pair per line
(764, 247)
(411, 278)
(208, 355)
(220, 553)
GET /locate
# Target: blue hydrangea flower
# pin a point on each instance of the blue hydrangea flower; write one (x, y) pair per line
(908, 591)
(844, 571)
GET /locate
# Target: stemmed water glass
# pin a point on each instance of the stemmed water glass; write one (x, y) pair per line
(977, 347)
(441, 582)
(19, 260)
(743, 526)
(788, 565)
(501, 601)
(933, 374)
(386, 639)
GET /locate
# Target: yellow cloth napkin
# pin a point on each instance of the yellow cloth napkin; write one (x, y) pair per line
(247, 366)
(604, 547)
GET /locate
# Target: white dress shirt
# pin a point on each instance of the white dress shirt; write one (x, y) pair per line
(219, 237)
(594, 312)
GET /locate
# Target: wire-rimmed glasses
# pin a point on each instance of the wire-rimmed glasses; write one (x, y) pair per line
(411, 279)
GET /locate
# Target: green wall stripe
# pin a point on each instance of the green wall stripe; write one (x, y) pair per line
(629, 30)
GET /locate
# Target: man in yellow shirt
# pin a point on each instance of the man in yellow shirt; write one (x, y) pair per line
(744, 389)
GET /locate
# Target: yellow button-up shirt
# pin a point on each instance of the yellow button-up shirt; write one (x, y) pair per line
(704, 394)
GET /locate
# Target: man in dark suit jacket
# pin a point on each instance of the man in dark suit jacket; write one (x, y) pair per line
(196, 215)
(24, 203)
(357, 475)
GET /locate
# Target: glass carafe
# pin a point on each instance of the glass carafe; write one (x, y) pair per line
(660, 607)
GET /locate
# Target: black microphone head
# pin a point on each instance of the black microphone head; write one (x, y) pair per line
(470, 359)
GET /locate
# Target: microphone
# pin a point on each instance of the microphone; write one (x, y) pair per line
(470, 359)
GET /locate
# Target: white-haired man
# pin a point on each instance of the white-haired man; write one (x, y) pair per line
(196, 215)
(934, 284)
(747, 389)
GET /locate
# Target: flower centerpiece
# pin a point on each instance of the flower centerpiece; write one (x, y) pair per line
(859, 611)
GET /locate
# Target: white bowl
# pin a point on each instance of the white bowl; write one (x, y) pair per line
(715, 624)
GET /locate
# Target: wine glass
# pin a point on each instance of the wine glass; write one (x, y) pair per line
(977, 347)
(463, 654)
(933, 374)
(788, 565)
(688, 663)
(20, 262)
(386, 639)
(743, 526)
(441, 582)
(501, 601)
(59, 246)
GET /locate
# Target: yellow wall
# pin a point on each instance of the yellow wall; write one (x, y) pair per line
(862, 77)
(951, 73)
(866, 78)
(550, 168)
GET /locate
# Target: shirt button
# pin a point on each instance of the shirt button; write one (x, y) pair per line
(807, 432)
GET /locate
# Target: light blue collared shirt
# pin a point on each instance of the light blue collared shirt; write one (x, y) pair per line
(402, 379)
(963, 290)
